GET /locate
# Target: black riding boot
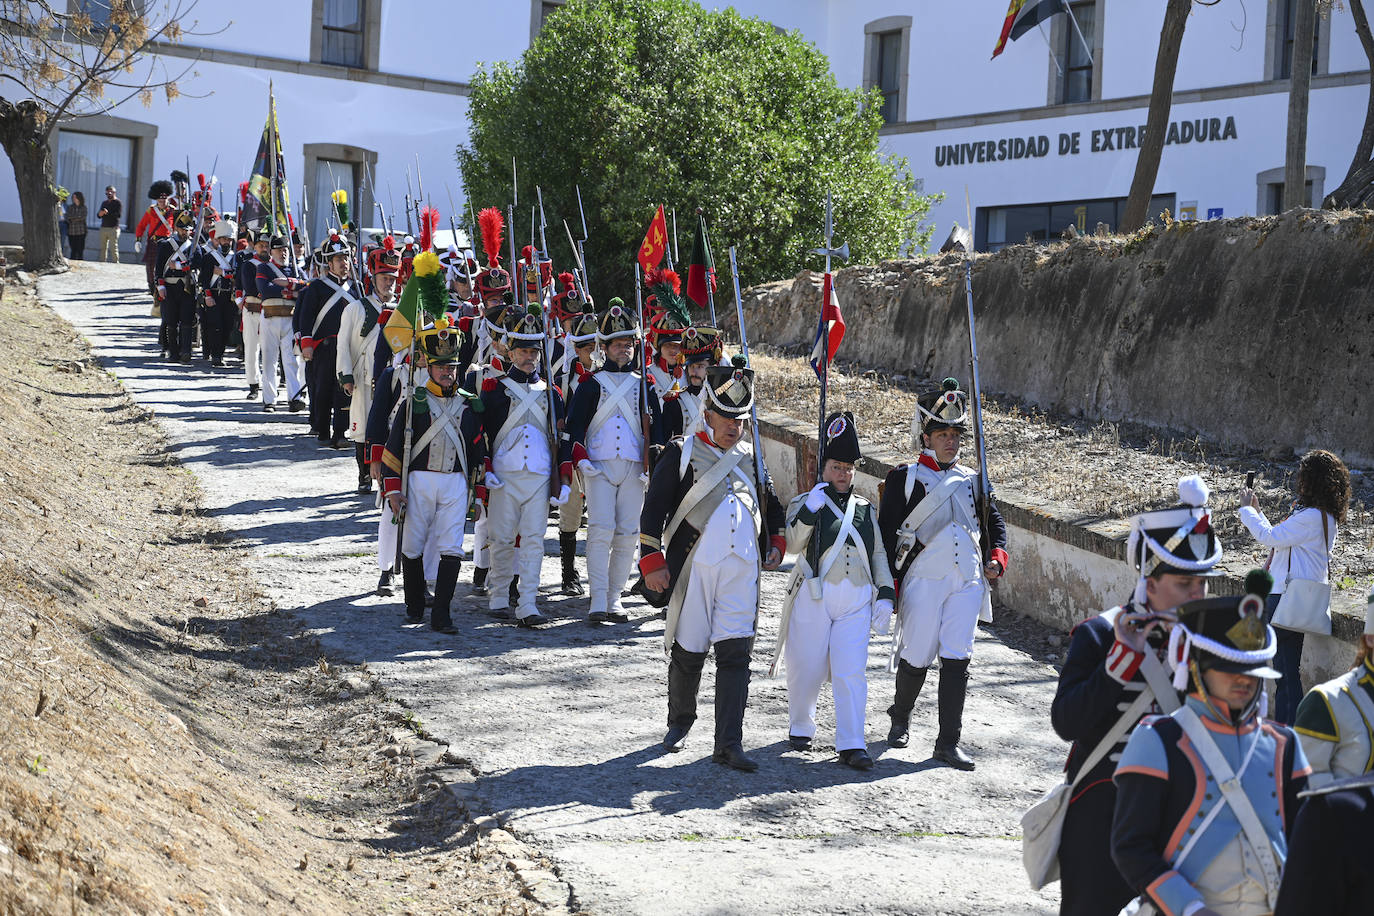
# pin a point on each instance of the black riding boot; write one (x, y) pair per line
(413, 576)
(364, 475)
(910, 680)
(567, 551)
(444, 581)
(684, 678)
(732, 695)
(479, 581)
(953, 689)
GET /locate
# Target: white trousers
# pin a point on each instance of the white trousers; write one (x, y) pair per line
(386, 546)
(481, 557)
(277, 345)
(938, 617)
(252, 346)
(827, 639)
(519, 508)
(615, 497)
(436, 513)
(720, 602)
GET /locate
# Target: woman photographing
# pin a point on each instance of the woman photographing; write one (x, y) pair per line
(1300, 564)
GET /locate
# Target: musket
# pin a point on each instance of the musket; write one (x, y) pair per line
(409, 199)
(407, 391)
(580, 281)
(305, 217)
(419, 179)
(555, 481)
(674, 256)
(643, 375)
(390, 199)
(581, 252)
(984, 488)
(760, 473)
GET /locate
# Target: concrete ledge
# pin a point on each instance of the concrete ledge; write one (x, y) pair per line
(1065, 567)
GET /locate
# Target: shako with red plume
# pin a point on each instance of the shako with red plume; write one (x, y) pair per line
(494, 280)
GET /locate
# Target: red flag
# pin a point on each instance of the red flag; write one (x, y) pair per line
(655, 242)
(829, 331)
(702, 269)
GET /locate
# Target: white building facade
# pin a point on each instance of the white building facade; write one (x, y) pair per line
(1042, 137)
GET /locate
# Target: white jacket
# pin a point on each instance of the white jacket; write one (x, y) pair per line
(1300, 552)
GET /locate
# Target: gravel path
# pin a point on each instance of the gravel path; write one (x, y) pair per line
(562, 725)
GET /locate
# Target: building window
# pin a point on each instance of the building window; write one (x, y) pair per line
(546, 10)
(1285, 31)
(540, 11)
(342, 33)
(1078, 61)
(887, 44)
(90, 163)
(1274, 194)
(1269, 196)
(332, 175)
(999, 227)
(99, 13)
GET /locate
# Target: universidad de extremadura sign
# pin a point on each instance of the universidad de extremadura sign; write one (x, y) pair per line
(1099, 140)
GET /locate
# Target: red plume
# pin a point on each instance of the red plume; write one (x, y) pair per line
(429, 221)
(493, 225)
(567, 280)
(291, 222)
(389, 243)
(200, 180)
(243, 192)
(528, 254)
(661, 275)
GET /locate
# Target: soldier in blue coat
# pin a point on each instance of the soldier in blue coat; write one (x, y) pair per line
(319, 311)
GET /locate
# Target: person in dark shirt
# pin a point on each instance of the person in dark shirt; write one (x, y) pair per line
(110, 214)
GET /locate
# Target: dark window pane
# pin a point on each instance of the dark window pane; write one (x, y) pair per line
(343, 14)
(91, 162)
(1285, 35)
(1086, 15)
(342, 48)
(887, 71)
(329, 176)
(99, 11)
(545, 11)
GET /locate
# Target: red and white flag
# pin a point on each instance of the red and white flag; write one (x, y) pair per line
(829, 331)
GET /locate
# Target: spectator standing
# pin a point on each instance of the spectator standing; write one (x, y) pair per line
(1302, 545)
(110, 214)
(76, 226)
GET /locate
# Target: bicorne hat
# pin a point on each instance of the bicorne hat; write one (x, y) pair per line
(841, 439)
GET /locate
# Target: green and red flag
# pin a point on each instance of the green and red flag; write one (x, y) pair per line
(655, 242)
(701, 271)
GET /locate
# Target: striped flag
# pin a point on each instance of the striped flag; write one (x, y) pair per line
(1023, 15)
(829, 331)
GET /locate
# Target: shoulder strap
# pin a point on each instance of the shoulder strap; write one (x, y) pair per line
(843, 537)
(1234, 794)
(1118, 731)
(707, 482)
(1159, 685)
(931, 502)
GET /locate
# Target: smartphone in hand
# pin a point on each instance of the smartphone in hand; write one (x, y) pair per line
(1250, 481)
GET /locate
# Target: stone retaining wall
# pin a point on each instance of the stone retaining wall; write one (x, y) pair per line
(1063, 568)
(1255, 332)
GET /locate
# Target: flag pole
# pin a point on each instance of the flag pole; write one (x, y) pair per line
(711, 269)
(1069, 9)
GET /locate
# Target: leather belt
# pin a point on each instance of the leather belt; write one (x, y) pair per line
(276, 309)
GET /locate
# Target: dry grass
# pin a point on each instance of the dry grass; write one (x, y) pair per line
(1101, 470)
(159, 755)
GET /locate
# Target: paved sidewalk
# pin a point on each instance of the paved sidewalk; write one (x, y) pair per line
(563, 723)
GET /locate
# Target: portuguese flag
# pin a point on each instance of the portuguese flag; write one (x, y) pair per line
(701, 272)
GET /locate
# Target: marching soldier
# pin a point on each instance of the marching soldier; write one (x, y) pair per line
(520, 417)
(725, 524)
(606, 443)
(176, 281)
(942, 548)
(665, 330)
(445, 447)
(842, 585)
(682, 409)
(1113, 677)
(155, 226)
(360, 332)
(578, 349)
(249, 262)
(218, 270)
(461, 269)
(277, 289)
(1207, 795)
(319, 313)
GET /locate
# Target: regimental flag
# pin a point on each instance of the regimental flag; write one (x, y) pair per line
(1023, 15)
(701, 272)
(422, 300)
(655, 242)
(269, 172)
(830, 330)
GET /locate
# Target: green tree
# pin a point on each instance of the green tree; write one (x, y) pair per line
(642, 102)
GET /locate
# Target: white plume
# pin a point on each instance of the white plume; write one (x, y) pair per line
(1193, 492)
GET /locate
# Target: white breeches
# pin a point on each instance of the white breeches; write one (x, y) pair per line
(827, 639)
(720, 602)
(386, 546)
(519, 508)
(938, 617)
(615, 498)
(277, 344)
(252, 346)
(436, 511)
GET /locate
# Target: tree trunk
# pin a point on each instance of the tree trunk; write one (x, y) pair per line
(21, 134)
(1355, 189)
(1157, 125)
(1299, 94)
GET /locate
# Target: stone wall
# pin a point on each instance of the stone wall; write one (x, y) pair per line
(1255, 332)
(1062, 571)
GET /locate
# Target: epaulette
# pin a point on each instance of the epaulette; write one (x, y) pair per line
(474, 400)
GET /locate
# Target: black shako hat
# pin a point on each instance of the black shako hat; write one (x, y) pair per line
(841, 439)
(730, 389)
(1226, 633)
